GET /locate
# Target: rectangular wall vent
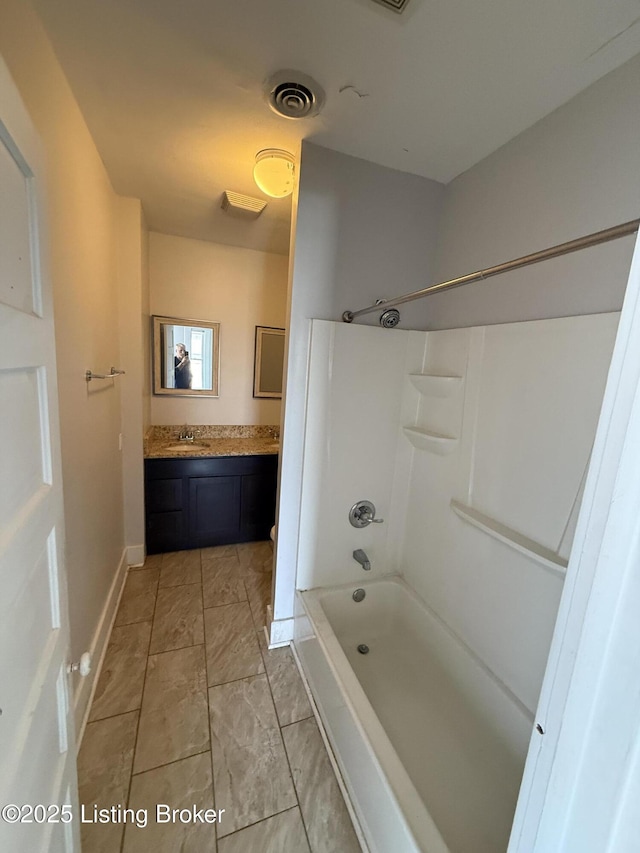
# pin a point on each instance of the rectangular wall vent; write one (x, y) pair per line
(247, 204)
(394, 5)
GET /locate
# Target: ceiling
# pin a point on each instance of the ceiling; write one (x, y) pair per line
(172, 89)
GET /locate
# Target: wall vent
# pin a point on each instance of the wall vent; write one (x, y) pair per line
(234, 202)
(394, 5)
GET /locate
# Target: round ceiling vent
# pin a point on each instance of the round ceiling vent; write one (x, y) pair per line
(294, 95)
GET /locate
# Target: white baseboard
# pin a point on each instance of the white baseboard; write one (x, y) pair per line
(86, 687)
(280, 631)
(135, 555)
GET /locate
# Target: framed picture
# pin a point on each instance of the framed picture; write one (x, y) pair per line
(186, 357)
(269, 362)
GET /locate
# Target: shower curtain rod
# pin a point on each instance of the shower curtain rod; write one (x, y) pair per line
(525, 261)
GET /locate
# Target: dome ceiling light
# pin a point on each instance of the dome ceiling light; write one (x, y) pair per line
(274, 172)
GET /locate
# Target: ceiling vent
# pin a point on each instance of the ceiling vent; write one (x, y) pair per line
(394, 5)
(292, 94)
(236, 202)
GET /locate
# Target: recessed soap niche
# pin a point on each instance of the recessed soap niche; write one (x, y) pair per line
(434, 385)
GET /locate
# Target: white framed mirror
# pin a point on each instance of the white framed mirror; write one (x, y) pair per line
(269, 362)
(186, 357)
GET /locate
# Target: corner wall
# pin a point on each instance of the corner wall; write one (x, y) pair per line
(240, 289)
(145, 320)
(360, 232)
(131, 263)
(81, 212)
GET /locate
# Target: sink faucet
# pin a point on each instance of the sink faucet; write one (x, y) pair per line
(185, 434)
(360, 557)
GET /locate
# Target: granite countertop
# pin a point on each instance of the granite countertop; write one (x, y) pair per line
(162, 442)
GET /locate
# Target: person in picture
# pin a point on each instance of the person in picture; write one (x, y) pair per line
(182, 367)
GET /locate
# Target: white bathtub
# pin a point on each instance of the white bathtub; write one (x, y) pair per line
(430, 744)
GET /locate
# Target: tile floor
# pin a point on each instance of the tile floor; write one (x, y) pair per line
(192, 709)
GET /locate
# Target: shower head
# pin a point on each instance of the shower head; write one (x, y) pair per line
(389, 318)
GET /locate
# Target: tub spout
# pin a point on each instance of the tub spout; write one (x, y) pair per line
(360, 557)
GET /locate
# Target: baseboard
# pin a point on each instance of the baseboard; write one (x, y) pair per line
(86, 687)
(280, 631)
(135, 555)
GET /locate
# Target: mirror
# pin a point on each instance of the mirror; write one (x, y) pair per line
(186, 357)
(269, 361)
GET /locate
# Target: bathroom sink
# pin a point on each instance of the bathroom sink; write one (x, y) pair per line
(186, 445)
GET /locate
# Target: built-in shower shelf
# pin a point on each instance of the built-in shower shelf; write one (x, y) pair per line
(434, 385)
(534, 550)
(434, 442)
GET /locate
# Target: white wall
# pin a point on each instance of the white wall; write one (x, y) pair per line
(361, 231)
(131, 295)
(575, 172)
(354, 450)
(145, 322)
(83, 243)
(240, 289)
(364, 232)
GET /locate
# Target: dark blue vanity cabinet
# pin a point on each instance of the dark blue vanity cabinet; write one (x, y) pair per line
(196, 503)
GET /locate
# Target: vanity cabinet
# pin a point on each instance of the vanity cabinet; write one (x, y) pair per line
(197, 503)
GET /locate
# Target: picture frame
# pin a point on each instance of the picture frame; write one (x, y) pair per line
(268, 366)
(186, 357)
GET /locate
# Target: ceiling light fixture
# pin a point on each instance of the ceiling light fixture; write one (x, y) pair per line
(274, 172)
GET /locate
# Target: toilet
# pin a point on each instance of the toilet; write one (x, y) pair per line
(268, 563)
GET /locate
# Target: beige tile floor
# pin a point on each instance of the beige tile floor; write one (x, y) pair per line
(192, 709)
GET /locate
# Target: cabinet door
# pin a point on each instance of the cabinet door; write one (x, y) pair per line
(165, 532)
(214, 510)
(258, 505)
(165, 495)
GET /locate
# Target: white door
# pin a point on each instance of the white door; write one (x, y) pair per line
(37, 752)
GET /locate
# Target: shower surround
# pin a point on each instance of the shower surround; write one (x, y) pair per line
(473, 444)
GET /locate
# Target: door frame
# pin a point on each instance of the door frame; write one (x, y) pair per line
(583, 763)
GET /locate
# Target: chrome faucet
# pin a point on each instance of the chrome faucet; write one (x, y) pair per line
(360, 557)
(185, 434)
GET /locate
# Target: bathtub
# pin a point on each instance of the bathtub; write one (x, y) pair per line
(430, 745)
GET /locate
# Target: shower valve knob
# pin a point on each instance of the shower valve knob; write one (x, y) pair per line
(362, 514)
